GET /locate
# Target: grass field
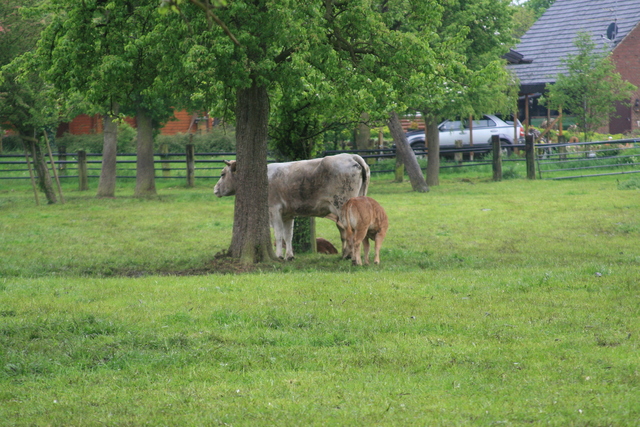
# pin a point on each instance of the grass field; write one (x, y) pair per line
(509, 303)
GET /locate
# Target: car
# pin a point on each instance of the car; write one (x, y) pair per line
(483, 129)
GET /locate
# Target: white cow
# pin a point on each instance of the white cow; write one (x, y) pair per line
(317, 187)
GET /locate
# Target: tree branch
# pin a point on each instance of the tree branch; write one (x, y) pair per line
(210, 15)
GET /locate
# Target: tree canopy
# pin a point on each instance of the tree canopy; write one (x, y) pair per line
(23, 104)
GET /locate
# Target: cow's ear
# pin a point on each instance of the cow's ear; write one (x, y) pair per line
(231, 164)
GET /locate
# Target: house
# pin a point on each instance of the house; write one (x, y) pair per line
(614, 26)
(183, 122)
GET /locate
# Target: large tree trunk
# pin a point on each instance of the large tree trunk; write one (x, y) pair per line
(40, 165)
(251, 241)
(432, 135)
(145, 173)
(406, 154)
(107, 185)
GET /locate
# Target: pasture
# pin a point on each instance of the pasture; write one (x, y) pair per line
(508, 303)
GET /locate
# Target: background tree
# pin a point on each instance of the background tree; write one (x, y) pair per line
(28, 107)
(19, 33)
(591, 87)
(538, 6)
(526, 14)
(124, 58)
(463, 74)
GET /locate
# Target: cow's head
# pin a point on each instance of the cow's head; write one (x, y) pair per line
(226, 186)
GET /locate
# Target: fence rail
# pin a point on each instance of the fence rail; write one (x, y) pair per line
(545, 161)
(589, 156)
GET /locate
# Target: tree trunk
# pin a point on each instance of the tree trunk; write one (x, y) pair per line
(304, 235)
(40, 165)
(363, 133)
(251, 241)
(406, 154)
(432, 135)
(107, 185)
(145, 173)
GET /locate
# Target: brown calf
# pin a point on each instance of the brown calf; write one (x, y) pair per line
(361, 219)
(324, 246)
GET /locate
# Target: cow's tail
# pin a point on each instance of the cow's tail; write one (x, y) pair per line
(366, 175)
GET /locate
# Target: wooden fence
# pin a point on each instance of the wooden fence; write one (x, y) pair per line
(543, 161)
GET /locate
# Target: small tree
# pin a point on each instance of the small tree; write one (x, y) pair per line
(27, 103)
(590, 88)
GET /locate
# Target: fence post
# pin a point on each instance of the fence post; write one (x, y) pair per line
(191, 167)
(82, 170)
(530, 155)
(62, 158)
(166, 167)
(562, 139)
(53, 167)
(31, 174)
(458, 156)
(497, 158)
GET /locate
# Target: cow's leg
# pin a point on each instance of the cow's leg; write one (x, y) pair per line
(288, 237)
(278, 231)
(365, 246)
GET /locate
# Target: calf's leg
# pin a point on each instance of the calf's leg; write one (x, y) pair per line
(379, 239)
(378, 243)
(365, 246)
(358, 236)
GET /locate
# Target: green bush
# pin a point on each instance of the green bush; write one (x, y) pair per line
(607, 150)
(11, 144)
(92, 143)
(511, 173)
(219, 139)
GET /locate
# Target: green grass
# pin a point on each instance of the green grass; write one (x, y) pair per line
(510, 303)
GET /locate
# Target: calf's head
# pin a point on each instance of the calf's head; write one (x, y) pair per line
(226, 186)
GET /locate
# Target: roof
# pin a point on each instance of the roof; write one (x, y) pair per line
(551, 38)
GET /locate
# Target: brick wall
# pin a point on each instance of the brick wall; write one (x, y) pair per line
(186, 122)
(85, 124)
(626, 56)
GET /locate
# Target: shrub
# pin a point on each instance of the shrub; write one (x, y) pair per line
(511, 173)
(12, 143)
(93, 143)
(219, 139)
(606, 150)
